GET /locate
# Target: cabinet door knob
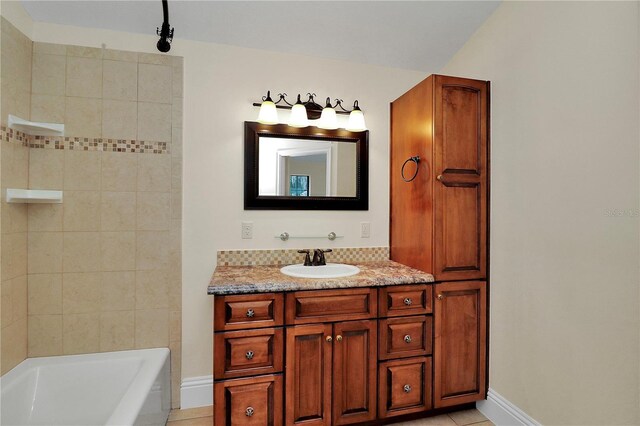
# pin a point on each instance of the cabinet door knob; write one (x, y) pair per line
(439, 178)
(249, 355)
(406, 388)
(408, 301)
(329, 339)
(339, 338)
(249, 412)
(250, 313)
(440, 296)
(407, 339)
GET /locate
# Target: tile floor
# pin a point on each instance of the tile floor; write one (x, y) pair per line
(203, 417)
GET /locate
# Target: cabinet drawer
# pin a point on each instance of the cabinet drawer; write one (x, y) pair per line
(247, 311)
(405, 337)
(248, 352)
(405, 386)
(405, 300)
(248, 402)
(303, 307)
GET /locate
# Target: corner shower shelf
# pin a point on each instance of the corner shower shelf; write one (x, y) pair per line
(34, 196)
(35, 128)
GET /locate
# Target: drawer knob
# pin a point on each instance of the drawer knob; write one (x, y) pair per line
(407, 388)
(249, 354)
(407, 339)
(248, 412)
(408, 301)
(339, 338)
(440, 296)
(250, 313)
(329, 339)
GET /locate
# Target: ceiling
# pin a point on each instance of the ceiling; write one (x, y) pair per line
(419, 35)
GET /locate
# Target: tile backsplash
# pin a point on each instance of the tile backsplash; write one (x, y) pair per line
(290, 256)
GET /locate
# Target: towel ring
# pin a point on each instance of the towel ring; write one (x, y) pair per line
(416, 160)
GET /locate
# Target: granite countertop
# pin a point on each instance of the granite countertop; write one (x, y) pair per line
(264, 279)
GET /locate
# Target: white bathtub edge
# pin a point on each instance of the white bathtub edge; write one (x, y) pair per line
(196, 392)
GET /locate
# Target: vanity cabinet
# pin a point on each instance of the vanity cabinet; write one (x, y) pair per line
(438, 216)
(460, 345)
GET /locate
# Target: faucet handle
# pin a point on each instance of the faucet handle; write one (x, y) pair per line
(307, 259)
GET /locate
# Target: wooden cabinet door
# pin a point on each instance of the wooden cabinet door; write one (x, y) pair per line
(460, 188)
(354, 372)
(255, 401)
(308, 375)
(460, 342)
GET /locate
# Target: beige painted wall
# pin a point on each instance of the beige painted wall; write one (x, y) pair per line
(221, 82)
(565, 149)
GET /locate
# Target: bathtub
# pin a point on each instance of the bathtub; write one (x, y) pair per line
(111, 388)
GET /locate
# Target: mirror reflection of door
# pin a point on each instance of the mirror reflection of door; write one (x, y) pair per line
(326, 168)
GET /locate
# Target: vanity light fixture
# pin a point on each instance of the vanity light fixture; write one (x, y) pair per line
(302, 112)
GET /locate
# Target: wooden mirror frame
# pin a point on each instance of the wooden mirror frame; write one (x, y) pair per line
(253, 201)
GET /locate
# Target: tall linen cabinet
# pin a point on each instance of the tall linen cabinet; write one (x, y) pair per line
(439, 221)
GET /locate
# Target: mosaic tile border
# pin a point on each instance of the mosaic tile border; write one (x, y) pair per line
(289, 256)
(83, 144)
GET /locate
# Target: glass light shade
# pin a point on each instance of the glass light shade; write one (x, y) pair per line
(298, 117)
(268, 113)
(328, 119)
(356, 121)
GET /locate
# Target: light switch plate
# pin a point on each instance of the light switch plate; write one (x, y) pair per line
(365, 229)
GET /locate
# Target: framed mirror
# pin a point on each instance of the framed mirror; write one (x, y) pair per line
(290, 168)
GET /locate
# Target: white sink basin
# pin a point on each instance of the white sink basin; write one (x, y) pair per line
(330, 270)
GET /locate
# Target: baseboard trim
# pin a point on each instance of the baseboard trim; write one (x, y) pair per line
(502, 412)
(196, 392)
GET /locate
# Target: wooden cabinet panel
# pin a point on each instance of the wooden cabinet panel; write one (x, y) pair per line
(248, 352)
(405, 337)
(308, 375)
(460, 166)
(248, 402)
(248, 311)
(354, 372)
(405, 386)
(460, 342)
(404, 300)
(303, 307)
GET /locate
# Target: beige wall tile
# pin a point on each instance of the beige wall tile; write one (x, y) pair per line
(48, 74)
(82, 170)
(83, 117)
(118, 251)
(119, 119)
(176, 173)
(16, 174)
(178, 78)
(14, 345)
(155, 58)
(14, 255)
(120, 80)
(45, 335)
(116, 331)
(44, 252)
(176, 142)
(81, 252)
(176, 205)
(20, 297)
(175, 326)
(45, 217)
(46, 168)
(152, 289)
(154, 82)
(118, 291)
(6, 301)
(84, 52)
(81, 211)
(83, 77)
(6, 159)
(45, 294)
(176, 372)
(49, 48)
(154, 122)
(153, 211)
(81, 293)
(119, 171)
(176, 113)
(47, 108)
(81, 333)
(152, 250)
(14, 218)
(120, 55)
(118, 211)
(152, 328)
(154, 173)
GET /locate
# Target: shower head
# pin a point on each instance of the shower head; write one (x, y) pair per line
(165, 32)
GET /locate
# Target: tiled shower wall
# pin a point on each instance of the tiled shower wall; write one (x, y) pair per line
(15, 76)
(104, 266)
